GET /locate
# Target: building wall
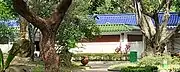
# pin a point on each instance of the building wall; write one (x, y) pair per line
(105, 47)
(5, 47)
(108, 44)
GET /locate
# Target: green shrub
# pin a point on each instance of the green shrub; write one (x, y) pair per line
(155, 60)
(173, 62)
(176, 60)
(139, 69)
(99, 56)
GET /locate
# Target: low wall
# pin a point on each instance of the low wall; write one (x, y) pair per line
(105, 47)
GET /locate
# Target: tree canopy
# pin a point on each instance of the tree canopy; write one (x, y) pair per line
(77, 25)
(5, 11)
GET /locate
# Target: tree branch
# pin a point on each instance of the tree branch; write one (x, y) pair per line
(59, 12)
(21, 8)
(163, 27)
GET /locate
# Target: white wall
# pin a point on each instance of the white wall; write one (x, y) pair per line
(105, 47)
(5, 47)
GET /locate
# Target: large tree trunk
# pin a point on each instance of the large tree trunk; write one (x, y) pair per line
(48, 51)
(48, 28)
(154, 48)
(157, 35)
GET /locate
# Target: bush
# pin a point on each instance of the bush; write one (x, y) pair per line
(99, 56)
(173, 62)
(155, 60)
(139, 69)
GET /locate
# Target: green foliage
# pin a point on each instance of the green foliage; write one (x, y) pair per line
(173, 63)
(125, 6)
(7, 33)
(99, 56)
(43, 8)
(139, 69)
(150, 5)
(94, 4)
(176, 5)
(110, 6)
(76, 25)
(175, 60)
(6, 10)
(6, 13)
(155, 60)
(4, 66)
(115, 6)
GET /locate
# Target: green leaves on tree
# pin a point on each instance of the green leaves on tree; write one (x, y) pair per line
(5, 11)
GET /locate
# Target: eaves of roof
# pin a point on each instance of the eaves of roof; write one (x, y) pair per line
(116, 28)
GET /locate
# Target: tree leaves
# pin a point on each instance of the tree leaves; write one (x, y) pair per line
(5, 11)
(76, 25)
(43, 8)
(110, 6)
(7, 33)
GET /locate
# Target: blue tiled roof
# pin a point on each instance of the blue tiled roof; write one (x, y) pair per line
(11, 23)
(130, 19)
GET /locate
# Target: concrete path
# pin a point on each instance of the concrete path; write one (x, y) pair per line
(99, 66)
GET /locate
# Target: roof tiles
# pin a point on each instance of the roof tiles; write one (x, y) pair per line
(11, 23)
(130, 19)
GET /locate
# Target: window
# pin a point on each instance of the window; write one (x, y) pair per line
(132, 38)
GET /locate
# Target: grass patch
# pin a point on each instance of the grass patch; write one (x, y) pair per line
(122, 65)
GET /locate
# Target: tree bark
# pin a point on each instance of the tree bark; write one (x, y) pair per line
(48, 28)
(154, 48)
(157, 35)
(48, 51)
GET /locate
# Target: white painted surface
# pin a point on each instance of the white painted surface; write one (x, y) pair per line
(93, 47)
(105, 47)
(5, 47)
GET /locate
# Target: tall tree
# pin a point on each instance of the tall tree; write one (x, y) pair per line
(48, 28)
(157, 35)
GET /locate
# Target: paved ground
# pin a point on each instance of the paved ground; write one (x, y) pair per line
(99, 66)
